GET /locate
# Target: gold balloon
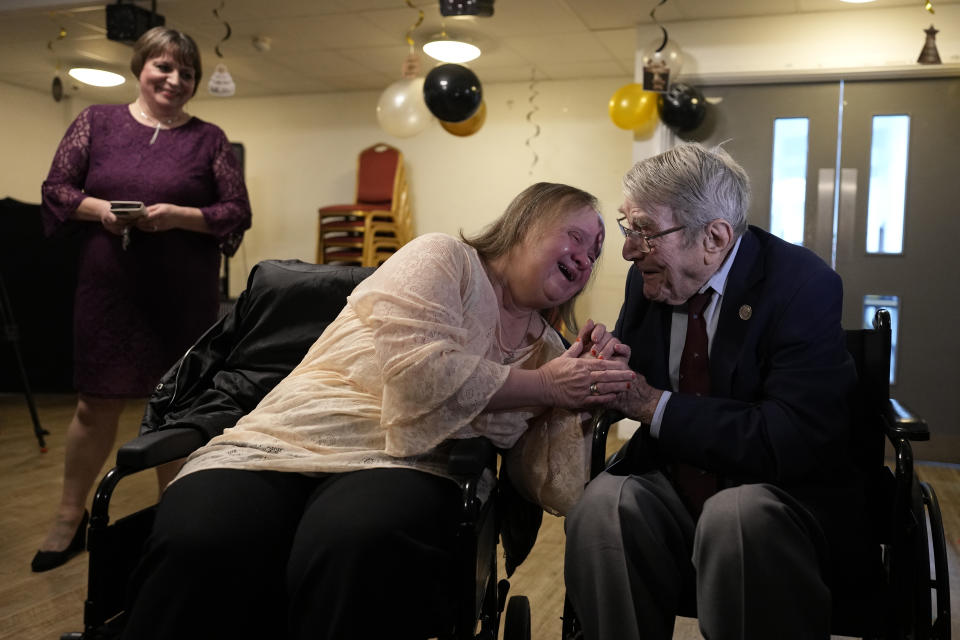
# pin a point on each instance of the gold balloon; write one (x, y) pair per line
(472, 124)
(633, 108)
(646, 130)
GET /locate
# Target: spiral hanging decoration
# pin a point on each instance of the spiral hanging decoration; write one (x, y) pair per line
(413, 26)
(216, 14)
(653, 16)
(533, 109)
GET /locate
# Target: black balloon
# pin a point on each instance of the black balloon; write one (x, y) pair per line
(682, 107)
(452, 92)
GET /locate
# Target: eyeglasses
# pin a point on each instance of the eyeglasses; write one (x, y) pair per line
(646, 244)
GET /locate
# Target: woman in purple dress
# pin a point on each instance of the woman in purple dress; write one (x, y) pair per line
(147, 282)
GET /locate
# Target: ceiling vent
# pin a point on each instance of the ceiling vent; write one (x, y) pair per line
(482, 8)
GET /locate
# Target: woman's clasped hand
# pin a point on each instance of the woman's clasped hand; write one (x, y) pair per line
(581, 380)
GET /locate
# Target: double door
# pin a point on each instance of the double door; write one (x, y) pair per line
(867, 175)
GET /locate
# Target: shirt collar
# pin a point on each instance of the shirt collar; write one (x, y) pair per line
(718, 281)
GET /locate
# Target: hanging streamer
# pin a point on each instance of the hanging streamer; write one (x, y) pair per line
(533, 109)
(414, 25)
(216, 14)
(56, 87)
(221, 83)
(661, 59)
(653, 17)
(411, 65)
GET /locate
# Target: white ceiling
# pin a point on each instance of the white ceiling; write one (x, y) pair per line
(344, 45)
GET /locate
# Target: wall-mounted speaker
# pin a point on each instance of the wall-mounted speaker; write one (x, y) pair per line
(127, 22)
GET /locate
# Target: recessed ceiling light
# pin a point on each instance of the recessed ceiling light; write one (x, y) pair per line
(456, 51)
(96, 77)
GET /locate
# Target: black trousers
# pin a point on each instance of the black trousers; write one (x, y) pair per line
(263, 554)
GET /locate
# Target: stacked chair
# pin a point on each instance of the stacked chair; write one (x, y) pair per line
(368, 231)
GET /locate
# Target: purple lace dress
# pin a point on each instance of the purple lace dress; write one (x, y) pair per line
(137, 311)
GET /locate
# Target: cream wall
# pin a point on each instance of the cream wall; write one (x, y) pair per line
(31, 125)
(301, 154)
(858, 41)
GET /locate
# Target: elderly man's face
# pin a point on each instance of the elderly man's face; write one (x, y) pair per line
(674, 269)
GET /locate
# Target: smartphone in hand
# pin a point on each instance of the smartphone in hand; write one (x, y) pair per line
(127, 210)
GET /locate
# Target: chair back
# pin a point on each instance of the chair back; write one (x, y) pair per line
(870, 350)
(377, 174)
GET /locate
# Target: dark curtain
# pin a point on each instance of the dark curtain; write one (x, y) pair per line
(40, 276)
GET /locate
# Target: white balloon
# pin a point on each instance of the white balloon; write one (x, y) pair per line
(401, 110)
(662, 67)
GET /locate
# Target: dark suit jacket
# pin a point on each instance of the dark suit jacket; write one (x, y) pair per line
(780, 376)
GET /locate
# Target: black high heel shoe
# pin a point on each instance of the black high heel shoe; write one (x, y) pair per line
(46, 560)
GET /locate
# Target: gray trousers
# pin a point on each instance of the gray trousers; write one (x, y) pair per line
(753, 561)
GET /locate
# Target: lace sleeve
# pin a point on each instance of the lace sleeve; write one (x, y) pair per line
(549, 464)
(62, 191)
(230, 216)
(435, 375)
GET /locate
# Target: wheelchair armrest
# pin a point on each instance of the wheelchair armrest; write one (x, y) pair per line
(600, 424)
(901, 423)
(157, 447)
(471, 456)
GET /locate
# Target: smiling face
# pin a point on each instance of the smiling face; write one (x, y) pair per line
(166, 85)
(555, 260)
(676, 268)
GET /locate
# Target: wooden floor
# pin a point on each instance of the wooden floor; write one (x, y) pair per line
(42, 606)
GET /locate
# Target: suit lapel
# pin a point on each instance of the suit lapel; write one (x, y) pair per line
(655, 341)
(736, 313)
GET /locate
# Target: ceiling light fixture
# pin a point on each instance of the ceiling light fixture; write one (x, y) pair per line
(96, 77)
(444, 49)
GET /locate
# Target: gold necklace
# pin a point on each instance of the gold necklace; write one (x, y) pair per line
(523, 336)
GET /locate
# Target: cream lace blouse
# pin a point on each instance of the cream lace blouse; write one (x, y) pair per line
(410, 363)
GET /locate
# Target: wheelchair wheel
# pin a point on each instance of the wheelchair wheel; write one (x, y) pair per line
(940, 582)
(516, 626)
(915, 596)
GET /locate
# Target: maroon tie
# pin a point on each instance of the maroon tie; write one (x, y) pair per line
(695, 485)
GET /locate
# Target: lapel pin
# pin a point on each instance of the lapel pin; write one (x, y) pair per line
(745, 312)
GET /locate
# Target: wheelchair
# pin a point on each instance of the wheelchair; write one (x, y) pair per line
(904, 521)
(223, 376)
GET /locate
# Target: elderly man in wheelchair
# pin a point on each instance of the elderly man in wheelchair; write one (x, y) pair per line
(747, 496)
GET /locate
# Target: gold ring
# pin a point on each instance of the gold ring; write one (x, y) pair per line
(593, 389)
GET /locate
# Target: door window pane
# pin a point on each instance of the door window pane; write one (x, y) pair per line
(789, 189)
(888, 183)
(892, 304)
